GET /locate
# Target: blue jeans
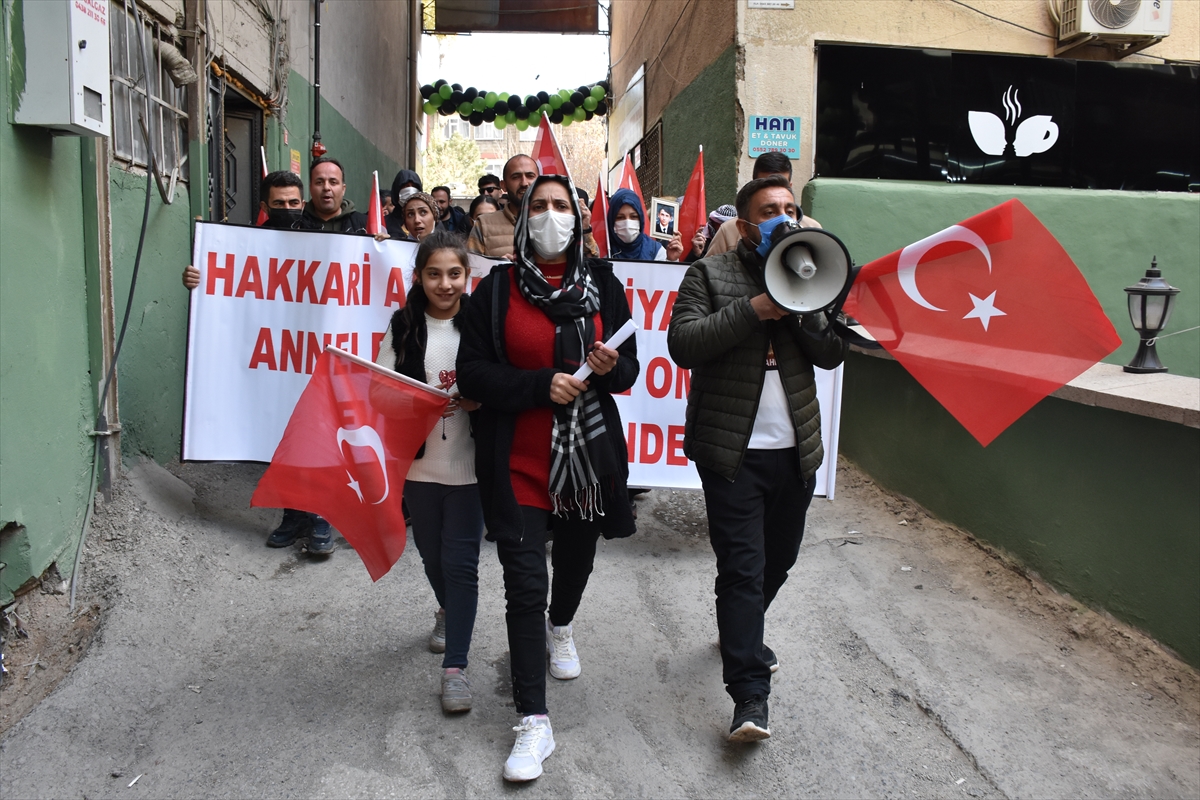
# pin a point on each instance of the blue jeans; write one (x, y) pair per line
(755, 524)
(447, 524)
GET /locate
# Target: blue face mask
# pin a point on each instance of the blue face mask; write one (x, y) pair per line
(766, 229)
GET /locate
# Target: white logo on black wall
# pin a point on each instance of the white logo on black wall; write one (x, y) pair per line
(1036, 134)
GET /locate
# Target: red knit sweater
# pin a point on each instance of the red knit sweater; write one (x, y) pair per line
(529, 342)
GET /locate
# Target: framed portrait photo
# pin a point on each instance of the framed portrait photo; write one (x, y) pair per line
(664, 214)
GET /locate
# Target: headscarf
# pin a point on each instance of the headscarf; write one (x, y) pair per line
(718, 218)
(643, 248)
(580, 451)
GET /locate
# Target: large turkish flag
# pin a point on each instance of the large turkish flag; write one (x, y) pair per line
(999, 318)
(346, 452)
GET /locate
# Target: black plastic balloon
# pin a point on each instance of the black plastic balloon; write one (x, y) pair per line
(476, 118)
(501, 107)
(588, 116)
(543, 98)
(576, 98)
(607, 88)
(583, 90)
(455, 99)
(567, 108)
(557, 116)
(470, 94)
(489, 115)
(426, 91)
(445, 109)
(456, 87)
(601, 108)
(439, 83)
(522, 112)
(532, 104)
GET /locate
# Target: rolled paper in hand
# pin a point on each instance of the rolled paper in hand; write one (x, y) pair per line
(613, 343)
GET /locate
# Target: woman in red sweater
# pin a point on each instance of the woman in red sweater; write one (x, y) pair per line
(549, 449)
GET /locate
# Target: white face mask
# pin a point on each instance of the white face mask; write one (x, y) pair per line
(627, 229)
(405, 193)
(551, 233)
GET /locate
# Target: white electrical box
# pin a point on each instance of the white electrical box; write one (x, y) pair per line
(66, 69)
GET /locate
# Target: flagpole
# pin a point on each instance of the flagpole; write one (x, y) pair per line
(362, 362)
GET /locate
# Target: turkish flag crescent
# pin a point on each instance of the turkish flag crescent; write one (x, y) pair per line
(262, 212)
(549, 158)
(1000, 318)
(375, 209)
(693, 214)
(629, 179)
(600, 218)
(346, 452)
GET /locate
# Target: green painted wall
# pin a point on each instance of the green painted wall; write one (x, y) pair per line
(46, 395)
(358, 155)
(1101, 503)
(1110, 235)
(704, 114)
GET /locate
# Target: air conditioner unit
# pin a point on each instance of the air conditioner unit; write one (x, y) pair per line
(1118, 22)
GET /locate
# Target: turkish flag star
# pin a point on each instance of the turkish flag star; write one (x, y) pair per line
(984, 310)
(1051, 327)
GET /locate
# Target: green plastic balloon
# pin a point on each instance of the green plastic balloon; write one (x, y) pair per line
(580, 114)
(597, 93)
(429, 108)
(479, 104)
(503, 96)
(590, 103)
(555, 101)
(465, 109)
(491, 98)
(546, 109)
(445, 91)
(500, 123)
(435, 100)
(564, 94)
(510, 117)
(567, 121)
(522, 124)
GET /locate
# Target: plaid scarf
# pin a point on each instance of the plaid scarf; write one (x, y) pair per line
(580, 451)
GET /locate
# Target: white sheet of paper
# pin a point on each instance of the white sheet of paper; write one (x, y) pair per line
(613, 343)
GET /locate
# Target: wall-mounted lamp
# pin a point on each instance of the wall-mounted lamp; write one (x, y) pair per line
(1151, 301)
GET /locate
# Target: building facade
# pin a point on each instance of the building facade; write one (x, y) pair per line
(71, 211)
(904, 118)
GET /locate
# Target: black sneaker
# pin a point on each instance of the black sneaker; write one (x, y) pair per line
(295, 525)
(750, 720)
(768, 656)
(320, 541)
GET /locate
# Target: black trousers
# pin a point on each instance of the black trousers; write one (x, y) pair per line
(526, 585)
(755, 524)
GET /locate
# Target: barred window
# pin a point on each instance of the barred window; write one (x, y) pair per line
(168, 119)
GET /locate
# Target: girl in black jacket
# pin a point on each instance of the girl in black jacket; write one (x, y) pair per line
(550, 449)
(440, 491)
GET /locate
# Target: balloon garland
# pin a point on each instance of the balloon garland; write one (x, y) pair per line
(502, 109)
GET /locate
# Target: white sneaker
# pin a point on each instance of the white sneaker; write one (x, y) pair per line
(535, 743)
(560, 644)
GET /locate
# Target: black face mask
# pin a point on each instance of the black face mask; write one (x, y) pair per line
(283, 217)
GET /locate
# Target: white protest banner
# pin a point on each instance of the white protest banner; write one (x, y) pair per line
(653, 411)
(269, 301)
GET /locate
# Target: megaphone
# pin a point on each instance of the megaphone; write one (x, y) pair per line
(807, 269)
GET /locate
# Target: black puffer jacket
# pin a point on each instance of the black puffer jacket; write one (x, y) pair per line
(484, 374)
(715, 333)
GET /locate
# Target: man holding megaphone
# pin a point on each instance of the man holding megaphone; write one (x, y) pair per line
(753, 424)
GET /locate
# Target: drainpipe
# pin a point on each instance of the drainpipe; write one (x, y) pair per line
(318, 149)
(415, 24)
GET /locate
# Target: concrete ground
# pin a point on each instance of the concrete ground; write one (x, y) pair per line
(914, 663)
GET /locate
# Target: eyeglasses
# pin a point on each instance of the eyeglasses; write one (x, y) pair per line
(490, 189)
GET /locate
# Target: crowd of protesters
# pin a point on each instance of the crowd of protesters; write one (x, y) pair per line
(532, 455)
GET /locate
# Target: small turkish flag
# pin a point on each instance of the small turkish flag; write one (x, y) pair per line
(346, 452)
(262, 211)
(629, 180)
(600, 218)
(549, 158)
(1000, 318)
(375, 209)
(692, 213)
